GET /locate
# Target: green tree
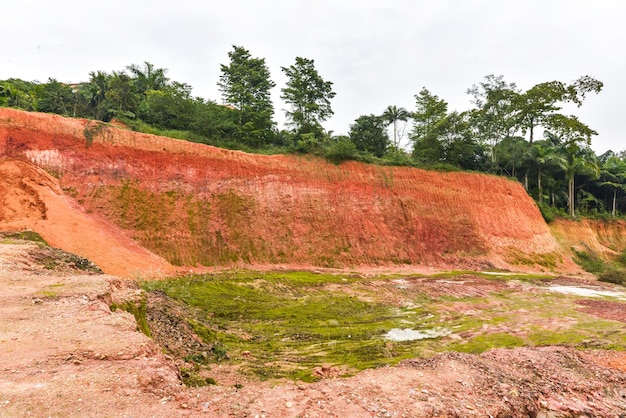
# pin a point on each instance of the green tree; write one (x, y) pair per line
(245, 84)
(450, 141)
(393, 115)
(216, 122)
(613, 176)
(574, 140)
(95, 93)
(122, 95)
(427, 118)
(429, 112)
(147, 77)
(495, 116)
(58, 98)
(513, 157)
(369, 134)
(18, 94)
(538, 104)
(544, 154)
(578, 90)
(308, 95)
(171, 107)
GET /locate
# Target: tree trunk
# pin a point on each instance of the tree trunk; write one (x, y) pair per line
(613, 213)
(395, 144)
(570, 202)
(526, 180)
(540, 191)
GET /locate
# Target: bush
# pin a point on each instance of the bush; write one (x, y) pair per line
(550, 213)
(615, 276)
(341, 151)
(589, 262)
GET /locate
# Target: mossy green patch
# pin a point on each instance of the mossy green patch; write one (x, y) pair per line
(486, 342)
(283, 324)
(21, 236)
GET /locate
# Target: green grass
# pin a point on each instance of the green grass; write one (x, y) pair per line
(291, 322)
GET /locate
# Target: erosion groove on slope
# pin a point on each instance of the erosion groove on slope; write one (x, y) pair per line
(199, 205)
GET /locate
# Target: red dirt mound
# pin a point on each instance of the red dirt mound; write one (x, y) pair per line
(31, 199)
(198, 205)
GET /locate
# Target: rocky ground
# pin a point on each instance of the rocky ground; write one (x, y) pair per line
(64, 353)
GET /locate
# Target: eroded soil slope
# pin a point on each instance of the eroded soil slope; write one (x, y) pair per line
(31, 199)
(605, 239)
(197, 205)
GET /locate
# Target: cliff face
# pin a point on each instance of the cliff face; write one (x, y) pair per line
(198, 205)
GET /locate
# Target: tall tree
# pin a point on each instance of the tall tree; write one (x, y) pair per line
(430, 111)
(245, 84)
(544, 154)
(574, 140)
(494, 117)
(538, 104)
(613, 176)
(309, 96)
(393, 115)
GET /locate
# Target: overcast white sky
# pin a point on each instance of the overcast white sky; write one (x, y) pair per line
(376, 52)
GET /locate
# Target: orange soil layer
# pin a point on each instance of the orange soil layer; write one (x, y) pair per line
(604, 238)
(198, 205)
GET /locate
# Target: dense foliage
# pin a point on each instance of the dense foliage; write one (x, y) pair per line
(520, 134)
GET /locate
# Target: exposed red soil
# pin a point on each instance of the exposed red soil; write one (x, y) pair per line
(603, 238)
(604, 309)
(90, 361)
(199, 205)
(31, 199)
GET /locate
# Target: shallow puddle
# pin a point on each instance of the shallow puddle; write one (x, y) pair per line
(584, 291)
(405, 334)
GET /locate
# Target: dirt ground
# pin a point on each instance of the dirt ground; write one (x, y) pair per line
(64, 353)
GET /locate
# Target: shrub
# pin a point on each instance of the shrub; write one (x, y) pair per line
(550, 213)
(589, 262)
(341, 151)
(615, 276)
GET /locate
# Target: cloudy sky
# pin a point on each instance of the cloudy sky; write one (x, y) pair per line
(376, 52)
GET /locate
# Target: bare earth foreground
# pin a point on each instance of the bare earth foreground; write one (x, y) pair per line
(64, 353)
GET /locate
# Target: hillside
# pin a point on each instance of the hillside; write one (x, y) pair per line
(196, 205)
(275, 340)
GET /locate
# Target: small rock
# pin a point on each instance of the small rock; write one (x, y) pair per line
(37, 301)
(289, 404)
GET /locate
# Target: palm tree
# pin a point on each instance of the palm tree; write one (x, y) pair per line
(393, 115)
(543, 154)
(148, 77)
(614, 176)
(573, 139)
(577, 160)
